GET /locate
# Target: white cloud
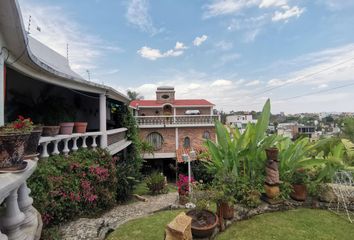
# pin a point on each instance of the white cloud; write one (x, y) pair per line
(199, 40)
(224, 45)
(253, 83)
(272, 3)
(153, 54)
(275, 82)
(85, 49)
(224, 7)
(287, 14)
(221, 82)
(180, 46)
(323, 85)
(138, 15)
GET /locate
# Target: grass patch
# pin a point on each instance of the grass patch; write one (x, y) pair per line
(150, 227)
(297, 224)
(291, 225)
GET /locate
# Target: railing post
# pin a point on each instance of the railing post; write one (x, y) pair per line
(75, 148)
(66, 149)
(94, 144)
(13, 218)
(25, 204)
(44, 153)
(84, 145)
(2, 80)
(56, 149)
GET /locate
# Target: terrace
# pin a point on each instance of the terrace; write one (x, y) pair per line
(176, 121)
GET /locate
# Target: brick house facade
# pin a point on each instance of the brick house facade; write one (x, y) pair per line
(171, 124)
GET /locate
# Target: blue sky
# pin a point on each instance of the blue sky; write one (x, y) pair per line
(231, 52)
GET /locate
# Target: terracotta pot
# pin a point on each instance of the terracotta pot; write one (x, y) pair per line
(299, 192)
(12, 148)
(32, 143)
(80, 127)
(50, 131)
(66, 128)
(206, 227)
(227, 210)
(271, 191)
(272, 153)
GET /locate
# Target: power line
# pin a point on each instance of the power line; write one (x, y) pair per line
(304, 77)
(302, 95)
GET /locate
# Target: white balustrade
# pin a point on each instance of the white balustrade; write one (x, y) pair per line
(19, 219)
(52, 145)
(177, 120)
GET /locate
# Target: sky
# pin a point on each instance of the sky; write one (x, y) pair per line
(234, 53)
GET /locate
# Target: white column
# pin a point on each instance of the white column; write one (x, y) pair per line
(211, 111)
(174, 115)
(2, 80)
(176, 133)
(103, 120)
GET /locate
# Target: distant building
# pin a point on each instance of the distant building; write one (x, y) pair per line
(240, 121)
(173, 126)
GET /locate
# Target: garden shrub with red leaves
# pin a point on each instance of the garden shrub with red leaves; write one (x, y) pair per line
(64, 188)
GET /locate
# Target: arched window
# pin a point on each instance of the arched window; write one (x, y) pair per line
(187, 142)
(155, 139)
(206, 135)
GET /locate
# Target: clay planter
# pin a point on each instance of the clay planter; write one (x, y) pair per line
(299, 192)
(66, 128)
(272, 191)
(227, 210)
(50, 131)
(272, 153)
(12, 148)
(80, 127)
(204, 222)
(32, 143)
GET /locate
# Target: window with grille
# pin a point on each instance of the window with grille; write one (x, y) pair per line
(155, 139)
(187, 142)
(206, 135)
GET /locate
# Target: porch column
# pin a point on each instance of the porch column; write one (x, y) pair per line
(103, 120)
(2, 89)
(174, 115)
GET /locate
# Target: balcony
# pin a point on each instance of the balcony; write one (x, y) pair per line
(176, 121)
(116, 141)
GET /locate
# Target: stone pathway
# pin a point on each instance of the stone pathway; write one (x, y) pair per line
(96, 229)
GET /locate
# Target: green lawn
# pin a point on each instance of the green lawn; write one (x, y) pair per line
(292, 225)
(295, 224)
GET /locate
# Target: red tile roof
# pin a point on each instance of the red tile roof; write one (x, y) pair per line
(180, 102)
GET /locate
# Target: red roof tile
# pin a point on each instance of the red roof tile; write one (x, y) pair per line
(180, 102)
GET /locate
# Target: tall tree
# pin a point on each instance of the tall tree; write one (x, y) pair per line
(133, 95)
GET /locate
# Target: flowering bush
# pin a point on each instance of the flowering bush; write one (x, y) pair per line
(156, 183)
(20, 125)
(83, 183)
(182, 184)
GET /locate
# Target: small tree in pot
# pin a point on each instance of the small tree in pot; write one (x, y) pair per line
(299, 181)
(204, 221)
(225, 195)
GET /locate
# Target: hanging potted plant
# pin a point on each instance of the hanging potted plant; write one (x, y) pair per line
(204, 221)
(299, 181)
(13, 137)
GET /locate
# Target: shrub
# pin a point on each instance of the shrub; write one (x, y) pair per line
(200, 172)
(182, 184)
(156, 183)
(83, 183)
